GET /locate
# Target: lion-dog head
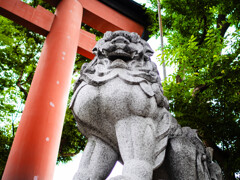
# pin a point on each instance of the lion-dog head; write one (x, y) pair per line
(121, 48)
(124, 55)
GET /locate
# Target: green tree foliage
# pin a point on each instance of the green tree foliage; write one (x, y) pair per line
(72, 141)
(19, 51)
(204, 93)
(5, 143)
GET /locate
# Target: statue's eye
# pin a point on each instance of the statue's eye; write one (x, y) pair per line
(108, 35)
(134, 37)
(95, 50)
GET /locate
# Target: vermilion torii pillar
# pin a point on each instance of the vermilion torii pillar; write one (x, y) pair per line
(34, 151)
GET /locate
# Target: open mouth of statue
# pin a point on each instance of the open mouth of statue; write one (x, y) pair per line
(119, 58)
(121, 54)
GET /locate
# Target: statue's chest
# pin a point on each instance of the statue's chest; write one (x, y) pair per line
(114, 100)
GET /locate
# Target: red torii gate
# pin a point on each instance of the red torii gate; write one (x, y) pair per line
(34, 151)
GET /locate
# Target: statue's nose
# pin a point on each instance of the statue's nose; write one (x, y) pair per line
(120, 40)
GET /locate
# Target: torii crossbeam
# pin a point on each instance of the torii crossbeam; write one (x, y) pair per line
(34, 151)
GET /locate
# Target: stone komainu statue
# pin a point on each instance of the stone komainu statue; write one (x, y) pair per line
(119, 106)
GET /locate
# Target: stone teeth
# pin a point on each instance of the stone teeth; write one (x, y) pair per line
(133, 54)
(104, 52)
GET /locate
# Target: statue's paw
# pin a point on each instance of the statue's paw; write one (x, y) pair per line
(120, 178)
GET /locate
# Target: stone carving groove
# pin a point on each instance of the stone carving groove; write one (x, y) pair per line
(119, 105)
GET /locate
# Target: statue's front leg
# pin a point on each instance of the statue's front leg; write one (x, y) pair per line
(136, 140)
(97, 161)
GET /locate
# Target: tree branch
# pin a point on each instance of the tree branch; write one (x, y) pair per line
(28, 78)
(204, 30)
(18, 83)
(199, 89)
(222, 24)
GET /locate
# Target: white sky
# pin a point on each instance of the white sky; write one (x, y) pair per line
(67, 171)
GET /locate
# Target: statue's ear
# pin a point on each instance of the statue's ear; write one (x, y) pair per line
(148, 52)
(97, 46)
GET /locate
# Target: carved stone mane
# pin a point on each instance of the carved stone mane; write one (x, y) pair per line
(134, 65)
(119, 105)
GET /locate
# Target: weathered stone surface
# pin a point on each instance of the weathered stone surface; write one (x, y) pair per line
(119, 105)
